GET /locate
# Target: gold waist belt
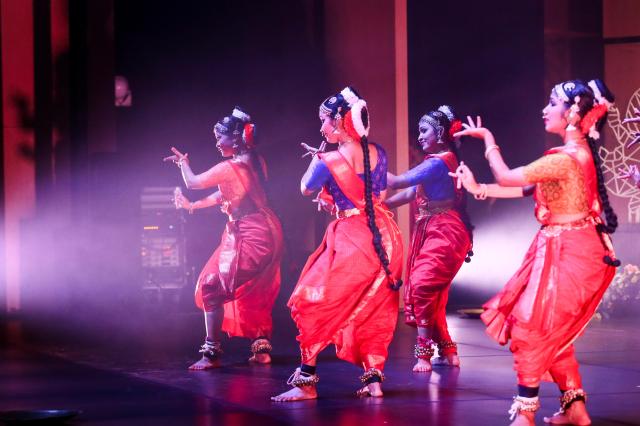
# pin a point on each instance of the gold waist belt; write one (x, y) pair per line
(555, 229)
(343, 214)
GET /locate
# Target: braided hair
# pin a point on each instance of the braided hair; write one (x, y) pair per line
(587, 101)
(342, 105)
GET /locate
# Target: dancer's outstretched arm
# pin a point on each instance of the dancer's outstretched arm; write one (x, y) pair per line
(210, 178)
(420, 174)
(183, 202)
(466, 178)
(403, 197)
(503, 174)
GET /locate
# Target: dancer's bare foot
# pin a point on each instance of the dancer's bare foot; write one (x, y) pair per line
(260, 359)
(451, 360)
(524, 418)
(204, 364)
(576, 414)
(297, 394)
(372, 389)
(422, 366)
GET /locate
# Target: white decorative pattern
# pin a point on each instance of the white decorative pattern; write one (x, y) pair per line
(619, 157)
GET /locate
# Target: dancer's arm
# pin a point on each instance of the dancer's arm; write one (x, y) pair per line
(419, 174)
(502, 173)
(481, 191)
(403, 197)
(212, 177)
(315, 177)
(183, 202)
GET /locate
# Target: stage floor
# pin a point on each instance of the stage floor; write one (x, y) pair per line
(151, 385)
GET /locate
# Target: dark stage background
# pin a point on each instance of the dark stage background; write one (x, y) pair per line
(189, 64)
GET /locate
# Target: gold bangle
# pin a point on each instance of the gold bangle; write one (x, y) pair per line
(488, 151)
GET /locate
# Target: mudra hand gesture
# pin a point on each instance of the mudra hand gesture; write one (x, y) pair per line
(635, 119)
(324, 202)
(631, 173)
(180, 201)
(473, 129)
(312, 150)
(177, 157)
(465, 178)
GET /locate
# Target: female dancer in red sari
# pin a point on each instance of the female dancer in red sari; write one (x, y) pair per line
(441, 237)
(240, 282)
(347, 292)
(548, 303)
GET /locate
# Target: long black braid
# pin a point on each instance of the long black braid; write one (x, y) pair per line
(335, 106)
(371, 214)
(610, 216)
(587, 101)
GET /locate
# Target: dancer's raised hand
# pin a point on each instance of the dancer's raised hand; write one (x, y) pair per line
(313, 150)
(473, 129)
(465, 178)
(177, 157)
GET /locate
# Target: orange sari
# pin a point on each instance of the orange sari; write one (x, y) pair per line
(549, 301)
(244, 271)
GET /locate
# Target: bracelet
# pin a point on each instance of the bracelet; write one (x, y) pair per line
(190, 208)
(483, 192)
(489, 149)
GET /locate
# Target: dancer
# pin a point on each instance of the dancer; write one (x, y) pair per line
(550, 300)
(441, 237)
(240, 282)
(347, 292)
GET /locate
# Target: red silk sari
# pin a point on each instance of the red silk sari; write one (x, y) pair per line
(343, 296)
(439, 245)
(244, 271)
(549, 301)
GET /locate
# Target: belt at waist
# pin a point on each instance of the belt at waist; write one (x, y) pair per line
(435, 207)
(343, 214)
(555, 229)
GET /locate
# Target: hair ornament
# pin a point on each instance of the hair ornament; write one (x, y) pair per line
(349, 95)
(241, 115)
(601, 100)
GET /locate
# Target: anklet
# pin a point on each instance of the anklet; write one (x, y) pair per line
(261, 346)
(299, 379)
(211, 350)
(448, 347)
(372, 375)
(520, 403)
(571, 396)
(423, 348)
